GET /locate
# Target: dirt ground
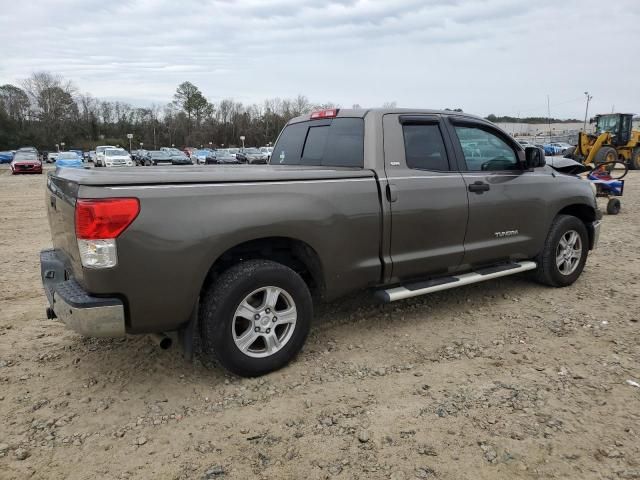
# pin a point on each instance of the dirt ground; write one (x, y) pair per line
(501, 380)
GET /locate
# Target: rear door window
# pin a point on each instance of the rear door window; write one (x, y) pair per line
(337, 143)
(424, 147)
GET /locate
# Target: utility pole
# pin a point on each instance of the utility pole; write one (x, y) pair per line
(549, 117)
(586, 111)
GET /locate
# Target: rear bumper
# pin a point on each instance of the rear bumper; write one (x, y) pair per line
(87, 315)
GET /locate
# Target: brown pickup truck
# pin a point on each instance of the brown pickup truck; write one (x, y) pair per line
(399, 202)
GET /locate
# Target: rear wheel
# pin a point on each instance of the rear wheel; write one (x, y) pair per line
(256, 317)
(565, 252)
(634, 163)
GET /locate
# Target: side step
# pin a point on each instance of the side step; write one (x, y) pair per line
(454, 281)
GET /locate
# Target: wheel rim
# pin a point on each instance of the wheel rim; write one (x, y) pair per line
(569, 252)
(264, 322)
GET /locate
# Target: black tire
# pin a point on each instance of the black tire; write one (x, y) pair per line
(613, 206)
(634, 163)
(218, 312)
(548, 272)
(605, 154)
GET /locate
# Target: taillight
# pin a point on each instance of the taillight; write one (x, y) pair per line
(104, 218)
(328, 113)
(98, 224)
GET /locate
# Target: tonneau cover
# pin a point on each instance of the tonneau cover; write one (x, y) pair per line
(204, 174)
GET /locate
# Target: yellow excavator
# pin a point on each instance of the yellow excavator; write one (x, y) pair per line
(614, 140)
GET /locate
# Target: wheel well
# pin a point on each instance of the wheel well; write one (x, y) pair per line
(295, 254)
(585, 213)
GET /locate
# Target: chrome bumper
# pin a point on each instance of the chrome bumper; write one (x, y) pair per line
(85, 314)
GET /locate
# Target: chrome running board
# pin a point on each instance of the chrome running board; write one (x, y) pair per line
(444, 283)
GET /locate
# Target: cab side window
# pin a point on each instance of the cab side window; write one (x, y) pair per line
(424, 147)
(485, 151)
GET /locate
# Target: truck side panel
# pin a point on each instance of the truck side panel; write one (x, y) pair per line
(164, 256)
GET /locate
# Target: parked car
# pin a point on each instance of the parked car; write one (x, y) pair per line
(26, 161)
(251, 156)
(139, 156)
(99, 161)
(157, 157)
(69, 160)
(6, 157)
(189, 151)
(267, 151)
(180, 158)
(116, 157)
(564, 147)
(238, 252)
(525, 143)
(92, 156)
(204, 157)
(552, 149)
(79, 151)
(224, 156)
(52, 156)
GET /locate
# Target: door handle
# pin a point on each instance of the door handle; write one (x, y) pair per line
(392, 193)
(479, 187)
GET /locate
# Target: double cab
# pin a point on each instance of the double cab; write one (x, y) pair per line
(399, 202)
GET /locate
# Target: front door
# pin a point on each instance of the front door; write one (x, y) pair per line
(507, 211)
(427, 197)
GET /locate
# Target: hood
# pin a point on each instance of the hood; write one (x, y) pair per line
(566, 165)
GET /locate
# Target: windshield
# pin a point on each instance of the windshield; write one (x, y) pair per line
(251, 150)
(607, 123)
(158, 154)
(25, 156)
(234, 150)
(68, 156)
(202, 153)
(114, 153)
(102, 149)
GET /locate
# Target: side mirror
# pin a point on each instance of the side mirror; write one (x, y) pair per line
(534, 157)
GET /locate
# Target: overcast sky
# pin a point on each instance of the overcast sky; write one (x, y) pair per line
(492, 56)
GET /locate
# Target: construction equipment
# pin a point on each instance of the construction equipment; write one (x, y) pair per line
(614, 139)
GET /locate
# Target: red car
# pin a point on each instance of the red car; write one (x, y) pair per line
(26, 162)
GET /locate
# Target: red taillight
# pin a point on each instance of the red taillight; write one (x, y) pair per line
(329, 113)
(104, 218)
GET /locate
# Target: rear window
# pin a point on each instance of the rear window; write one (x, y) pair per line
(336, 143)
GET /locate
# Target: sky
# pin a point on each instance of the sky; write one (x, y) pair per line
(484, 56)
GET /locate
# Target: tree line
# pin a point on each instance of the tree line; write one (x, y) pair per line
(46, 109)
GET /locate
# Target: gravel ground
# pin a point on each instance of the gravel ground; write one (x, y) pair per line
(501, 380)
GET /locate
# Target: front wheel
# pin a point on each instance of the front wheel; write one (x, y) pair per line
(564, 253)
(256, 317)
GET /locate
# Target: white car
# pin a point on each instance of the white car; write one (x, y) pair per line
(117, 157)
(268, 151)
(52, 157)
(99, 161)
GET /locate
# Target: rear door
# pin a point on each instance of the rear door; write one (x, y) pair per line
(507, 212)
(427, 197)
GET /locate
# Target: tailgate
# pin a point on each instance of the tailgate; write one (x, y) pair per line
(60, 201)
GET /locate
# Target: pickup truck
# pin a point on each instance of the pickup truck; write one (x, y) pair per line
(399, 202)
